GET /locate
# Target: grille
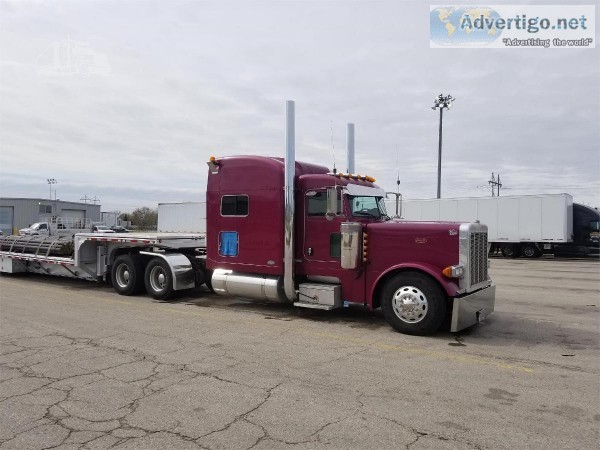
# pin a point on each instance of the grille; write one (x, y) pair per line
(478, 268)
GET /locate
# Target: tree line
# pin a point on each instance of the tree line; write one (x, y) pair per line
(143, 218)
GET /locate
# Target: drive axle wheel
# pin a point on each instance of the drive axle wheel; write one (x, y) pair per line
(413, 303)
(127, 274)
(158, 279)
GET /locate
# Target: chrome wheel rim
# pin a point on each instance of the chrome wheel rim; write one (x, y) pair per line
(122, 275)
(158, 278)
(410, 304)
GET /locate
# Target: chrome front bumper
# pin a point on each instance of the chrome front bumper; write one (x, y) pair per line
(472, 308)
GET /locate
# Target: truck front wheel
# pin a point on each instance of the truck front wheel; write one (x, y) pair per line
(127, 274)
(158, 279)
(413, 303)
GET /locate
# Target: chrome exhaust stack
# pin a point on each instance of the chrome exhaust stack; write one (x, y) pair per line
(289, 202)
(350, 147)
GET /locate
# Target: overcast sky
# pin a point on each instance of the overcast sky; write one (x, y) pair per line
(164, 85)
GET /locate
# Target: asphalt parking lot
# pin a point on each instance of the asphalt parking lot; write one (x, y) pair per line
(82, 367)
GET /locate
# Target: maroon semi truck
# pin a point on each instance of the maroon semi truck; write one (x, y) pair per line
(329, 243)
(282, 230)
(286, 231)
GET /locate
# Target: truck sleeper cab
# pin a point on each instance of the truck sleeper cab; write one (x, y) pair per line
(346, 250)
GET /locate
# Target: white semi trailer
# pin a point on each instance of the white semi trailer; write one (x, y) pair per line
(188, 217)
(518, 225)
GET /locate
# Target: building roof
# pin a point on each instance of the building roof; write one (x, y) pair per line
(50, 200)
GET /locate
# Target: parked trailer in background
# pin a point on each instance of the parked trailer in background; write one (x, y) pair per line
(189, 217)
(518, 225)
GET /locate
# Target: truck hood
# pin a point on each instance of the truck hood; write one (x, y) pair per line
(431, 244)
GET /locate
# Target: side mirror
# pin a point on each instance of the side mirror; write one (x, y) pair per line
(332, 203)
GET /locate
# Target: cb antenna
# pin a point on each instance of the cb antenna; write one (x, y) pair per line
(398, 168)
(333, 149)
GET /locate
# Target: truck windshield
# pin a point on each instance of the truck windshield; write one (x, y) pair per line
(368, 207)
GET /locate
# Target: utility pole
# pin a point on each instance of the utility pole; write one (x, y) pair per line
(495, 182)
(85, 199)
(441, 102)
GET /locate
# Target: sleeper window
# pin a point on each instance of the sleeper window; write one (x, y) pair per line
(234, 205)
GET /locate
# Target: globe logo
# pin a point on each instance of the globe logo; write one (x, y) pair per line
(460, 25)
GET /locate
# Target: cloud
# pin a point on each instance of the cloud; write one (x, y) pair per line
(189, 80)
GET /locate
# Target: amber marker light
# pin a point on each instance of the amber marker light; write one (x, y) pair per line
(453, 272)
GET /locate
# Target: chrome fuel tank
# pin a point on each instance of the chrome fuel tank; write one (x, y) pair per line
(258, 287)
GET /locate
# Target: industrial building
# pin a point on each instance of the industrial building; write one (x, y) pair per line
(16, 213)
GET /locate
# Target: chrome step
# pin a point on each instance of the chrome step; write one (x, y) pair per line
(315, 306)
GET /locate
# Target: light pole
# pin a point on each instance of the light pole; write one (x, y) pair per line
(441, 102)
(51, 181)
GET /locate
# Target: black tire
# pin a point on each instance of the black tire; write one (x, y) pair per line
(423, 318)
(158, 279)
(510, 251)
(127, 274)
(530, 251)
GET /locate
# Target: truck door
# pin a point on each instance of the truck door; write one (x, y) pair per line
(321, 234)
(43, 229)
(322, 246)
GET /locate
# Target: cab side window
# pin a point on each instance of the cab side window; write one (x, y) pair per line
(317, 203)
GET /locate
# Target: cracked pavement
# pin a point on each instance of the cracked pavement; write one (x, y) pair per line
(81, 367)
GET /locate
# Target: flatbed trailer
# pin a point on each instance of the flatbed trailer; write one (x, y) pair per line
(95, 255)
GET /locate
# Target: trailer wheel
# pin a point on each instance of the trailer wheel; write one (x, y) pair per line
(531, 251)
(159, 279)
(510, 251)
(413, 303)
(127, 274)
